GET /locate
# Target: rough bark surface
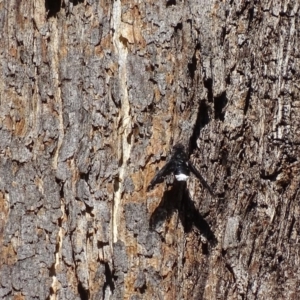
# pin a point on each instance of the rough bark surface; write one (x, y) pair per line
(93, 96)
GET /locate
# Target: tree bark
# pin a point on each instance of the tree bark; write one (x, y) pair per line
(94, 95)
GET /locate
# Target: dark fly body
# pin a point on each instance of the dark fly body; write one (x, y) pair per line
(181, 167)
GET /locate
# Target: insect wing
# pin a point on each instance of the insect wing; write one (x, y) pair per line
(159, 177)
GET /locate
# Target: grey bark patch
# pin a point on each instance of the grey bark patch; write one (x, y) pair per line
(154, 279)
(67, 253)
(44, 222)
(137, 153)
(6, 137)
(63, 171)
(140, 87)
(120, 257)
(151, 243)
(128, 185)
(96, 35)
(136, 218)
(120, 262)
(70, 143)
(231, 233)
(140, 281)
(102, 214)
(83, 193)
(6, 177)
(21, 153)
(45, 252)
(25, 251)
(26, 277)
(82, 157)
(51, 192)
(5, 278)
(4, 292)
(28, 229)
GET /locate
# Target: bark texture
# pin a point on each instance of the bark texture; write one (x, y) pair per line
(93, 96)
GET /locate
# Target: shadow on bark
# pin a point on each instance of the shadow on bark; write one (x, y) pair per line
(178, 198)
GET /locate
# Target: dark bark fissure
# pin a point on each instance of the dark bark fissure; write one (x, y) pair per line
(229, 268)
(248, 97)
(83, 293)
(110, 279)
(222, 36)
(220, 103)
(208, 84)
(252, 204)
(52, 7)
(192, 66)
(170, 2)
(84, 176)
(291, 227)
(178, 27)
(250, 17)
(75, 2)
(202, 120)
(271, 177)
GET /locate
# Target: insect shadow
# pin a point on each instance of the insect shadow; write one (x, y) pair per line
(178, 198)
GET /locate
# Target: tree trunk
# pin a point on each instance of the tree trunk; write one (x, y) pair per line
(94, 95)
